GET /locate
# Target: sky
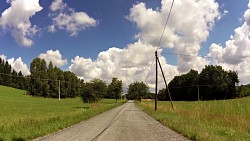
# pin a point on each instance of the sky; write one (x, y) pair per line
(117, 38)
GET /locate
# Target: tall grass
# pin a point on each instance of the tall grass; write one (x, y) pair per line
(225, 120)
(23, 117)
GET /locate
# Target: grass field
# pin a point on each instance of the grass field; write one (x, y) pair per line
(23, 117)
(226, 120)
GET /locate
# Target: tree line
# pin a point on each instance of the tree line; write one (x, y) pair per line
(243, 90)
(213, 82)
(97, 89)
(11, 78)
(43, 80)
(48, 80)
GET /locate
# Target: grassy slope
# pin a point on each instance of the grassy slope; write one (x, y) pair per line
(24, 117)
(227, 120)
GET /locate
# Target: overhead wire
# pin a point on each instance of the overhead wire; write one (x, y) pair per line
(41, 79)
(149, 70)
(159, 43)
(210, 57)
(190, 86)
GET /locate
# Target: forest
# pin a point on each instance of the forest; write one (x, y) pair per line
(213, 82)
(11, 78)
(43, 80)
(47, 80)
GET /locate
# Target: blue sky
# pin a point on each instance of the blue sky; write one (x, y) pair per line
(114, 26)
(224, 28)
(113, 30)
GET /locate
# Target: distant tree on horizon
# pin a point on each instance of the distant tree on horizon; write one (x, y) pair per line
(137, 91)
(115, 88)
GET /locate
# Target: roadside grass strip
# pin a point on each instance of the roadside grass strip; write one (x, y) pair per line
(23, 117)
(222, 120)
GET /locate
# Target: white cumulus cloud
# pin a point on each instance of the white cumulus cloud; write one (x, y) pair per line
(236, 53)
(68, 19)
(57, 5)
(16, 20)
(129, 64)
(54, 56)
(18, 65)
(189, 25)
(3, 57)
(51, 28)
(183, 34)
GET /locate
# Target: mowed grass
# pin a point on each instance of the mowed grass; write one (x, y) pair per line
(23, 117)
(225, 120)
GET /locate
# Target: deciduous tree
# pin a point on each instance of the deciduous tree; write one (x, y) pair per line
(115, 88)
(137, 90)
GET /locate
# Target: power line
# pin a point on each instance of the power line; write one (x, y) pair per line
(165, 25)
(149, 70)
(11, 75)
(188, 55)
(160, 39)
(190, 86)
(41, 79)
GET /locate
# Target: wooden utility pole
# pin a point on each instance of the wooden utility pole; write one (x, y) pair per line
(59, 95)
(165, 83)
(198, 92)
(156, 79)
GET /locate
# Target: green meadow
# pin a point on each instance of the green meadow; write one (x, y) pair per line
(23, 117)
(225, 120)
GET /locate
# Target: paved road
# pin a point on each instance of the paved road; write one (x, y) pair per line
(125, 122)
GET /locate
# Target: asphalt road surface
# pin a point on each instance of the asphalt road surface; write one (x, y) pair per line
(123, 123)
